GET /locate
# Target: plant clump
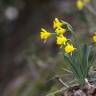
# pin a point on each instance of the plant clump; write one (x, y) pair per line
(79, 57)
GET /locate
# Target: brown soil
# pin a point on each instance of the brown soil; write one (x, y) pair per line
(86, 90)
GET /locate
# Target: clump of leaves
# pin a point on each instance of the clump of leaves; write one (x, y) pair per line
(81, 57)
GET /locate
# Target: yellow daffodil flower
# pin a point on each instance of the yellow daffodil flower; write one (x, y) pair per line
(94, 37)
(56, 23)
(69, 48)
(61, 40)
(44, 34)
(80, 4)
(60, 31)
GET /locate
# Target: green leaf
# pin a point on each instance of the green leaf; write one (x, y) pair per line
(85, 55)
(91, 59)
(74, 68)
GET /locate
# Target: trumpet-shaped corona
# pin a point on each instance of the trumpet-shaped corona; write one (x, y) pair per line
(61, 40)
(94, 38)
(60, 31)
(80, 4)
(44, 34)
(56, 23)
(69, 48)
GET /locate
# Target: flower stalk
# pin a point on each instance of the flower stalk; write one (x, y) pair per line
(79, 58)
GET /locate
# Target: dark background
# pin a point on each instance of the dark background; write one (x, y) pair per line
(26, 64)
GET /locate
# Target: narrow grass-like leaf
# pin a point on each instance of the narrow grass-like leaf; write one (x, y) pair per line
(78, 69)
(85, 56)
(73, 68)
(91, 60)
(67, 70)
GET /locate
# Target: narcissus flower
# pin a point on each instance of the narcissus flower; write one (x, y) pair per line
(57, 23)
(60, 31)
(61, 40)
(44, 34)
(94, 37)
(69, 48)
(80, 4)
